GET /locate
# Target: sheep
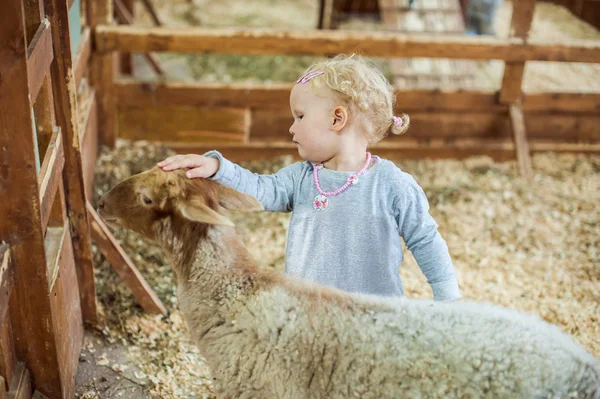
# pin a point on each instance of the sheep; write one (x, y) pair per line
(265, 334)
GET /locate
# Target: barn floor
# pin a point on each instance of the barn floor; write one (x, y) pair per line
(533, 246)
(106, 372)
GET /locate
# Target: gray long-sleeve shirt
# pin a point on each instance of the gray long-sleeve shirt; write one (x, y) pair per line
(354, 244)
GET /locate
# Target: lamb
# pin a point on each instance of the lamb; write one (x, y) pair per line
(267, 335)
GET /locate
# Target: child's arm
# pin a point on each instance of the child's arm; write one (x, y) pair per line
(422, 238)
(275, 192)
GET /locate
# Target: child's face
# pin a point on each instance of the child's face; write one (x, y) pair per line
(313, 120)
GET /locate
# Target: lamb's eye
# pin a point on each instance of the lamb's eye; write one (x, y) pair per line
(147, 200)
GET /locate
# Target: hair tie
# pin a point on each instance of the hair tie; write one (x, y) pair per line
(308, 76)
(398, 121)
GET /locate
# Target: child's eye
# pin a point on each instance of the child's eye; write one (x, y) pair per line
(300, 116)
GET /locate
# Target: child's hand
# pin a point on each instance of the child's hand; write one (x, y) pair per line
(198, 165)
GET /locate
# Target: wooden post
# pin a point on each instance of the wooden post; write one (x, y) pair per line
(512, 84)
(20, 216)
(520, 140)
(66, 114)
(103, 67)
(522, 16)
(126, 59)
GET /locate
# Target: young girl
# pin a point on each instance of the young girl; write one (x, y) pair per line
(349, 207)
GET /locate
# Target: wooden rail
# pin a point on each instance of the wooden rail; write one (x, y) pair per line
(377, 44)
(130, 93)
(123, 265)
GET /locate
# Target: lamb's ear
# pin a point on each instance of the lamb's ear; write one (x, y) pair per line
(198, 211)
(237, 201)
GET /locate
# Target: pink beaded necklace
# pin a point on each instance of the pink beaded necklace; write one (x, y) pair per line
(321, 202)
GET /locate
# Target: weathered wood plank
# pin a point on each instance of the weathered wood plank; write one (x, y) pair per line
(146, 94)
(520, 140)
(34, 339)
(39, 58)
(66, 117)
(320, 42)
(82, 58)
(20, 387)
(181, 123)
(66, 313)
(123, 265)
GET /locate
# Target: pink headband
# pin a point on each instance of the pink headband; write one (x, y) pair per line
(398, 121)
(308, 76)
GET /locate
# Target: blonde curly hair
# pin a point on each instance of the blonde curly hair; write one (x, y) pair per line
(364, 90)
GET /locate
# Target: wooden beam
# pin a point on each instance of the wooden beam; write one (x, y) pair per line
(50, 176)
(151, 94)
(82, 58)
(66, 117)
(123, 265)
(520, 140)
(134, 93)
(39, 58)
(512, 80)
(320, 42)
(31, 317)
(103, 74)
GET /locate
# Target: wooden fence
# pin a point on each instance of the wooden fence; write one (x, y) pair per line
(250, 121)
(48, 148)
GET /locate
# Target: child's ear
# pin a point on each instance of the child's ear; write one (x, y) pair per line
(340, 118)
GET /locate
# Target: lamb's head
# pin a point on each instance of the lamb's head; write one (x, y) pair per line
(143, 202)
